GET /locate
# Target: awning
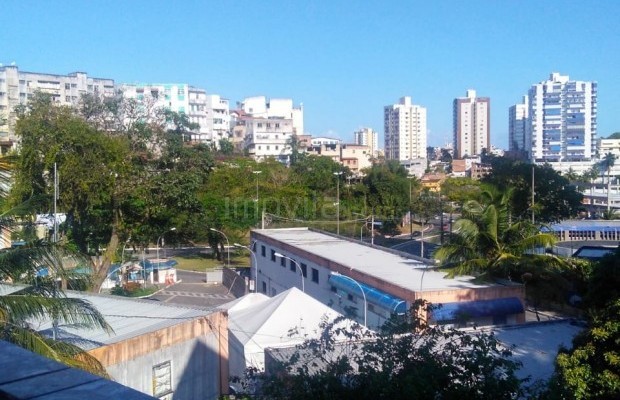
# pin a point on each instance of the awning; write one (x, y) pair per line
(373, 296)
(477, 309)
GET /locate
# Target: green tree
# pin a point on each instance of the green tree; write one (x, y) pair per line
(226, 147)
(607, 163)
(489, 241)
(407, 359)
(387, 190)
(591, 369)
(92, 167)
(43, 301)
(555, 197)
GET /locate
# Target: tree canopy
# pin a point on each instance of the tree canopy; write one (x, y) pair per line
(407, 359)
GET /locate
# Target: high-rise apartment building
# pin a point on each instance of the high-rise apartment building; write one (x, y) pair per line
(472, 125)
(405, 130)
(16, 87)
(562, 121)
(517, 126)
(367, 137)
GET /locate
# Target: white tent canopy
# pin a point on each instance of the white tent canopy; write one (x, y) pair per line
(256, 322)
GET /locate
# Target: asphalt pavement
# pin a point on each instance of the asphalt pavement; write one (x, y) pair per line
(192, 290)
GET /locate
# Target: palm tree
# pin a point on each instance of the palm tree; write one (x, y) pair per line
(608, 161)
(487, 242)
(21, 306)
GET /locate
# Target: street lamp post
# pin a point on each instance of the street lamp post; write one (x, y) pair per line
(303, 289)
(227, 243)
(361, 290)
(123, 256)
(159, 238)
(256, 199)
(338, 201)
(254, 273)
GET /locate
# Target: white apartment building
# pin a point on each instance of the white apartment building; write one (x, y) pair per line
(405, 130)
(259, 106)
(16, 87)
(472, 125)
(218, 118)
(562, 121)
(209, 111)
(197, 113)
(367, 137)
(268, 138)
(517, 126)
(321, 141)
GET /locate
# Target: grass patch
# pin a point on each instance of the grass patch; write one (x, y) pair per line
(202, 262)
(133, 289)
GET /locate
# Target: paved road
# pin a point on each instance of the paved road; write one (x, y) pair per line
(414, 247)
(193, 291)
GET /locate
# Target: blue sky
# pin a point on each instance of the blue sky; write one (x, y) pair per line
(344, 60)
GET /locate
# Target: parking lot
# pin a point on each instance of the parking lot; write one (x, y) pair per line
(193, 291)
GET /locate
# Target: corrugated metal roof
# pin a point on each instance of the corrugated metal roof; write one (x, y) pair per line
(128, 318)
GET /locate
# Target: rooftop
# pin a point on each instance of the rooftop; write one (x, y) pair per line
(26, 375)
(388, 265)
(128, 318)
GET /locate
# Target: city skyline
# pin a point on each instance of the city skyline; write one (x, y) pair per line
(343, 62)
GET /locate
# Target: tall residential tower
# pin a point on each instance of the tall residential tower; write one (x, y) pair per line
(472, 125)
(405, 130)
(517, 126)
(367, 137)
(562, 120)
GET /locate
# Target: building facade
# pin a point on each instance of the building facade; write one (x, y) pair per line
(517, 126)
(352, 277)
(562, 121)
(17, 87)
(268, 138)
(259, 106)
(472, 125)
(218, 118)
(405, 130)
(367, 137)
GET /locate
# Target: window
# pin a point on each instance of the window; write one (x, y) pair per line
(315, 275)
(293, 266)
(283, 262)
(351, 298)
(262, 251)
(304, 270)
(273, 292)
(273, 255)
(264, 287)
(334, 289)
(162, 379)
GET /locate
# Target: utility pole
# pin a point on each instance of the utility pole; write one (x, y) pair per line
(532, 193)
(372, 229)
(55, 202)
